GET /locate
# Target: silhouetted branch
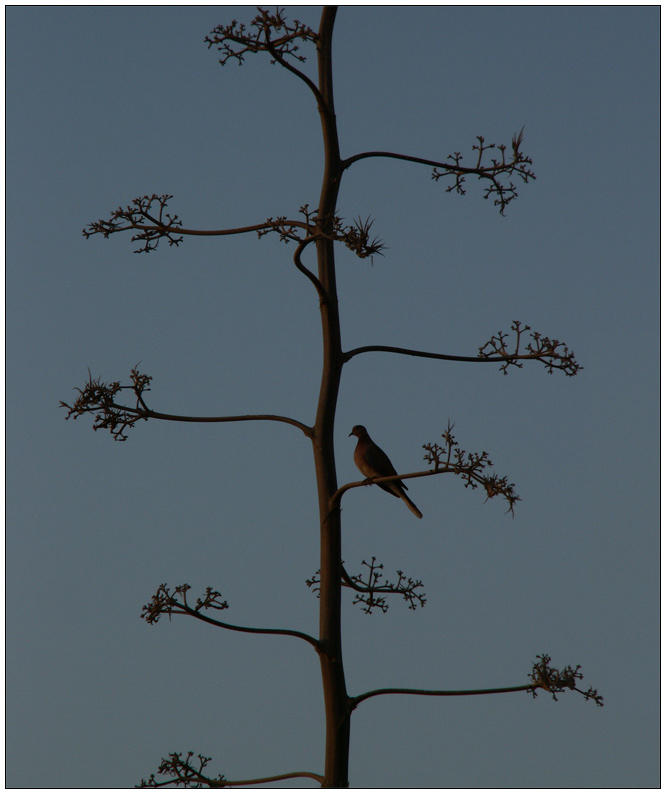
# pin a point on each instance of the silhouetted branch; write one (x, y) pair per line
(449, 459)
(159, 224)
(165, 602)
(258, 37)
(99, 399)
(497, 169)
(356, 235)
(470, 466)
(182, 772)
(553, 354)
(436, 692)
(152, 226)
(236, 40)
(371, 591)
(555, 681)
(550, 352)
(541, 677)
(517, 164)
(299, 264)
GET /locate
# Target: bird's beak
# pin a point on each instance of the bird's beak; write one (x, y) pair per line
(351, 434)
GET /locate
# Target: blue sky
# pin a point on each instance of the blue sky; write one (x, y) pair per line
(108, 103)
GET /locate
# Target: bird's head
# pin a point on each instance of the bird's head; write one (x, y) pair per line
(358, 431)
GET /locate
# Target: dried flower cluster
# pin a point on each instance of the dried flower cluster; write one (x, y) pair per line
(140, 216)
(554, 681)
(164, 602)
(371, 590)
(470, 466)
(550, 352)
(236, 39)
(499, 168)
(99, 399)
(181, 771)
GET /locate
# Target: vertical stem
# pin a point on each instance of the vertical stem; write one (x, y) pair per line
(336, 700)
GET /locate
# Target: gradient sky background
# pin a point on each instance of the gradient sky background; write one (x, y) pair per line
(105, 104)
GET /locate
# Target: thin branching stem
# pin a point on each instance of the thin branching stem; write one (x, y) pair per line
(354, 701)
(149, 414)
(286, 776)
(166, 229)
(188, 770)
(299, 264)
(184, 609)
(408, 158)
(405, 351)
(317, 93)
(337, 496)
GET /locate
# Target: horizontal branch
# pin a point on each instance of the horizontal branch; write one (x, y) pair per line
(337, 496)
(186, 610)
(449, 458)
(542, 676)
(497, 171)
(354, 701)
(286, 776)
(257, 227)
(98, 398)
(152, 231)
(148, 217)
(164, 602)
(182, 770)
(150, 414)
(408, 158)
(405, 351)
(371, 591)
(552, 353)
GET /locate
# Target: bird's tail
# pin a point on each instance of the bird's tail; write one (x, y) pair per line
(410, 504)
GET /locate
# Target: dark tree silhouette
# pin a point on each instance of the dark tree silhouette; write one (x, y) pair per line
(118, 408)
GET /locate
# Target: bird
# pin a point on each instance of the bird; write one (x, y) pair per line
(374, 462)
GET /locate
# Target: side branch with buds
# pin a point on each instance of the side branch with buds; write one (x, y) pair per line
(268, 32)
(235, 40)
(183, 770)
(449, 459)
(355, 235)
(99, 399)
(555, 681)
(371, 590)
(542, 676)
(552, 353)
(498, 171)
(470, 466)
(167, 601)
(499, 168)
(147, 216)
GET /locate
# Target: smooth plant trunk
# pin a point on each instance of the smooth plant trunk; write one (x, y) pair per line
(336, 700)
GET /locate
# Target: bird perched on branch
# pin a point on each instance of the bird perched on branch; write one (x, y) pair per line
(374, 462)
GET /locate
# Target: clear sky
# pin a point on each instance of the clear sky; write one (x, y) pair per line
(108, 103)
